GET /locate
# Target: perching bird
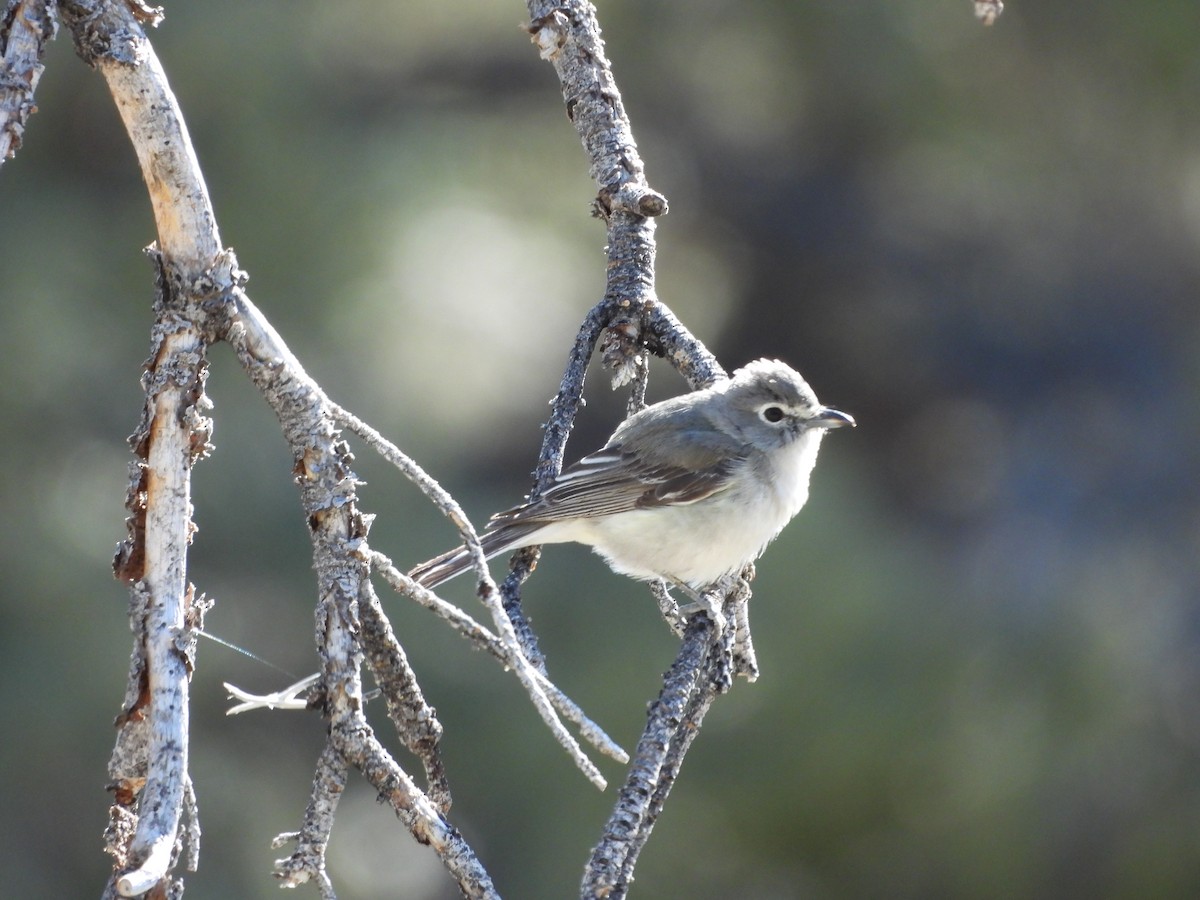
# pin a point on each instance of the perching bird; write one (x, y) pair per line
(687, 490)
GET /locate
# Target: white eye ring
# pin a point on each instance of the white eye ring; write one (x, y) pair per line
(772, 414)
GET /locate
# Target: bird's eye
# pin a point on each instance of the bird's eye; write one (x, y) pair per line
(771, 414)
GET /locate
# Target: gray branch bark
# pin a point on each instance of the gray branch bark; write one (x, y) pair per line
(26, 26)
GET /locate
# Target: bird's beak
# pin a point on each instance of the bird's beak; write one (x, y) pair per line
(831, 418)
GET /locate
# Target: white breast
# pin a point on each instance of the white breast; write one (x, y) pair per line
(698, 543)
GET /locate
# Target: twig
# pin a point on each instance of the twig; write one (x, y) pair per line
(550, 460)
(307, 861)
(358, 745)
(438, 495)
(611, 865)
(286, 698)
(533, 678)
(338, 528)
(745, 660)
(546, 696)
(522, 636)
(415, 720)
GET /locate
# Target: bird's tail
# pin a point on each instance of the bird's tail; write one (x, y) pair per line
(454, 562)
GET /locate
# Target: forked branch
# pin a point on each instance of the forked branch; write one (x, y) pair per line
(628, 322)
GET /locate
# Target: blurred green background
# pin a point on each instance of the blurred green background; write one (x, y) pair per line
(978, 642)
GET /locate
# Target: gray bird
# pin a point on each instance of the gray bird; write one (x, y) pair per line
(688, 490)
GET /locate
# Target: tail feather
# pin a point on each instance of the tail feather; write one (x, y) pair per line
(454, 562)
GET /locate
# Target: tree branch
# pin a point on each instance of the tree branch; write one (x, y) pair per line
(26, 26)
(172, 436)
(200, 300)
(625, 324)
(307, 861)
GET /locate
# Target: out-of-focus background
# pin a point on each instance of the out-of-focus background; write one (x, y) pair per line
(980, 642)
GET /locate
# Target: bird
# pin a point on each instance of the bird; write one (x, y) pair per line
(688, 490)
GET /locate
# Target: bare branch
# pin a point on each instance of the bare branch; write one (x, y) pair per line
(627, 322)
(200, 300)
(568, 35)
(173, 434)
(611, 866)
(415, 720)
(546, 696)
(110, 37)
(358, 745)
(506, 646)
(26, 26)
(708, 657)
(327, 488)
(438, 495)
(307, 862)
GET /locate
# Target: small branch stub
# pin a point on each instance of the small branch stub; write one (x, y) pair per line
(550, 34)
(632, 198)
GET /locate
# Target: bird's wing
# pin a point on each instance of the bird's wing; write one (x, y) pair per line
(613, 480)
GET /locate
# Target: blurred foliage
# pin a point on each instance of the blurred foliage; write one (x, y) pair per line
(978, 642)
